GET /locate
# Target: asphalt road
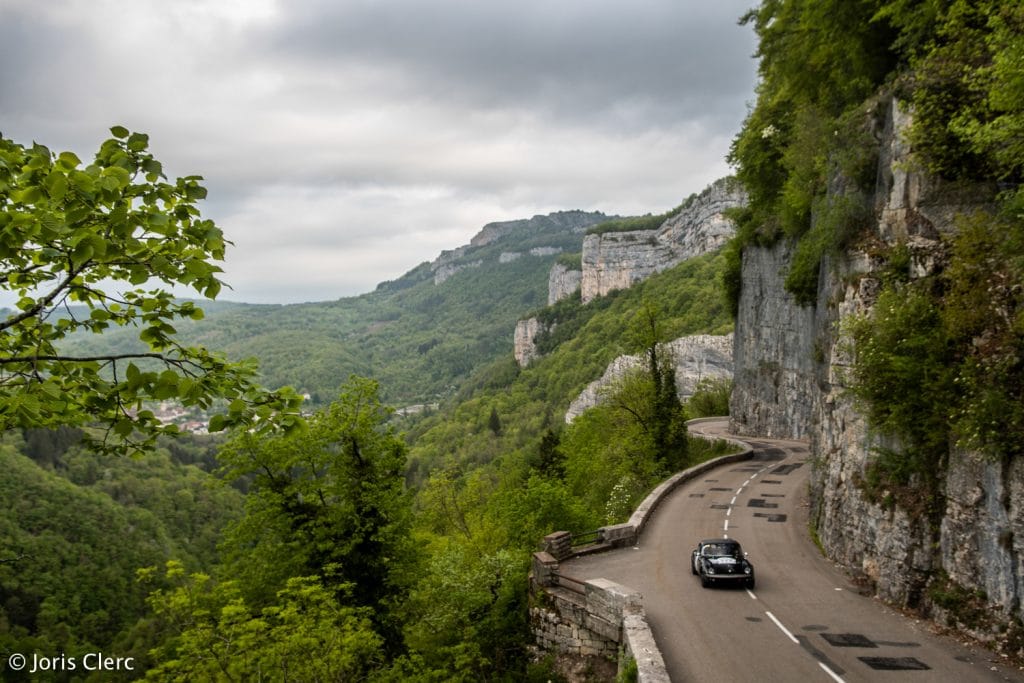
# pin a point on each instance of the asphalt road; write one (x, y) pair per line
(804, 621)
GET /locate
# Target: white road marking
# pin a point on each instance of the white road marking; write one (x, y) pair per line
(783, 628)
(830, 672)
(751, 594)
(733, 501)
(728, 512)
(726, 525)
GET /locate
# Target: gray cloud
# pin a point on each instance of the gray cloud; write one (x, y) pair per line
(345, 142)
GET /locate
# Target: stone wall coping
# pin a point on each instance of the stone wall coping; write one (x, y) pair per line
(645, 510)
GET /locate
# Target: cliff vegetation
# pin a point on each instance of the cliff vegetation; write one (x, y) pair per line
(807, 155)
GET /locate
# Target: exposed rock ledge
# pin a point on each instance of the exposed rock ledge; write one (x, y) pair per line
(697, 357)
(617, 260)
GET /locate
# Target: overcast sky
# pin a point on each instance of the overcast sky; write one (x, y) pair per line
(345, 141)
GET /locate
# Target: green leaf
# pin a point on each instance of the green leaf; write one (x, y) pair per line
(138, 142)
(119, 132)
(217, 423)
(56, 185)
(68, 161)
(124, 427)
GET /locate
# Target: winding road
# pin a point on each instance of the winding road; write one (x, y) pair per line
(805, 620)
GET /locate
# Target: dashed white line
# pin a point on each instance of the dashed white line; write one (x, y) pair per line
(726, 525)
(751, 594)
(733, 501)
(783, 628)
(830, 672)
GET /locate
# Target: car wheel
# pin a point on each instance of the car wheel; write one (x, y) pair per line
(750, 583)
(693, 569)
(704, 581)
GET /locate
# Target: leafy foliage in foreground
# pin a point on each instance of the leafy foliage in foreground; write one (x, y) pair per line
(65, 230)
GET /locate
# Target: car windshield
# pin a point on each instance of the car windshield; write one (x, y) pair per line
(721, 550)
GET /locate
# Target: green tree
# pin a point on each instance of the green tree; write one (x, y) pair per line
(328, 502)
(214, 635)
(665, 420)
(494, 422)
(66, 231)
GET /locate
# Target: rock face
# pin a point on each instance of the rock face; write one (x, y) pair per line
(616, 260)
(562, 282)
(791, 364)
(774, 354)
(523, 341)
(559, 227)
(696, 357)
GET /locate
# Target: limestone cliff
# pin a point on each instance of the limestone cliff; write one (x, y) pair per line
(507, 241)
(695, 358)
(617, 260)
(563, 282)
(523, 344)
(790, 382)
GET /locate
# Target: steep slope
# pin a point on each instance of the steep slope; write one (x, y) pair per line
(420, 335)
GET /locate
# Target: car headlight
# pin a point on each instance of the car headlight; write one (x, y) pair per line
(711, 570)
(748, 569)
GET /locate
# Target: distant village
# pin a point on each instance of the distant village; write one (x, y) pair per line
(190, 420)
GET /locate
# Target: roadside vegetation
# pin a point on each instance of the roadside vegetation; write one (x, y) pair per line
(807, 156)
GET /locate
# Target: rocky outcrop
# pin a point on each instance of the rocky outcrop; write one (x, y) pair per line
(791, 381)
(617, 260)
(444, 270)
(563, 282)
(523, 346)
(774, 353)
(572, 221)
(695, 358)
(517, 234)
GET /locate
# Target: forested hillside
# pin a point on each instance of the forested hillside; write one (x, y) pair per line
(419, 339)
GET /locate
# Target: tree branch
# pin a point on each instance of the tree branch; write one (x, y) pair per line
(45, 301)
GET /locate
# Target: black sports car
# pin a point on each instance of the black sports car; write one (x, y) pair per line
(721, 560)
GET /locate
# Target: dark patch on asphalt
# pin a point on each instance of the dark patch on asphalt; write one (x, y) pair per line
(895, 663)
(848, 640)
(710, 481)
(719, 506)
(720, 488)
(807, 645)
(771, 481)
(815, 627)
(890, 643)
(772, 495)
(756, 620)
(696, 495)
(748, 468)
(771, 518)
(760, 503)
(786, 469)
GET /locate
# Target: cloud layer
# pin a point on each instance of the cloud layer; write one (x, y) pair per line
(345, 142)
